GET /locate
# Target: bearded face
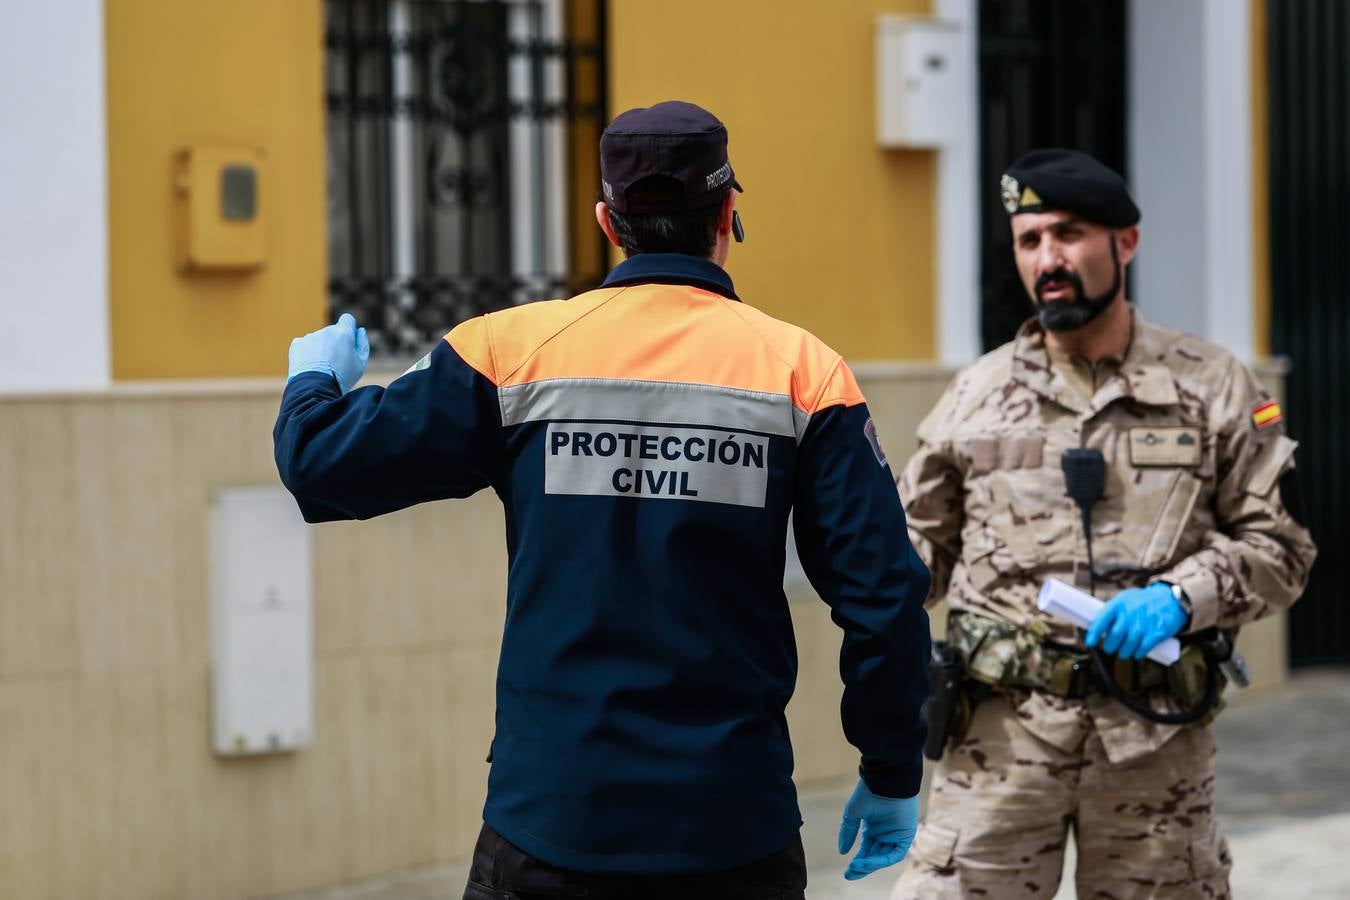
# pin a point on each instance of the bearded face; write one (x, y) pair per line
(1071, 268)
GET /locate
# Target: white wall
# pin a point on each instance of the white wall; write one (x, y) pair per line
(958, 205)
(53, 197)
(1228, 176)
(1190, 166)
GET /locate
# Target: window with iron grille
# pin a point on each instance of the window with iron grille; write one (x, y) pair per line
(449, 127)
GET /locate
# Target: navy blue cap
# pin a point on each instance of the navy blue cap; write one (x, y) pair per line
(1068, 180)
(665, 158)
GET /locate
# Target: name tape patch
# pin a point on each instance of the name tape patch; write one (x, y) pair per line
(1165, 446)
(663, 462)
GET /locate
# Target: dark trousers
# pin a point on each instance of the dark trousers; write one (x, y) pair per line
(502, 871)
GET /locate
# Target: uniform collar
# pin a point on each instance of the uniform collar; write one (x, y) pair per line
(672, 268)
(1140, 376)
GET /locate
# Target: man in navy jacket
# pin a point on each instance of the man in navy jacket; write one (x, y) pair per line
(648, 441)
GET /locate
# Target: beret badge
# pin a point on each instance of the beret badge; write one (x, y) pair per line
(1012, 192)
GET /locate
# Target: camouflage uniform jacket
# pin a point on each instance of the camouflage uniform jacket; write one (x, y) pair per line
(1195, 495)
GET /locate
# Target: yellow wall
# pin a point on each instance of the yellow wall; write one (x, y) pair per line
(839, 232)
(245, 72)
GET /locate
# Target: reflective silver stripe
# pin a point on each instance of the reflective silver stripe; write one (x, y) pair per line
(672, 403)
(800, 419)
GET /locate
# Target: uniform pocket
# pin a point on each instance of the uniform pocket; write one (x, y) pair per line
(1209, 855)
(985, 455)
(935, 845)
(1169, 524)
(1032, 516)
(1271, 463)
(475, 891)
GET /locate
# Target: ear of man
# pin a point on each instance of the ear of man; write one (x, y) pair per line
(606, 225)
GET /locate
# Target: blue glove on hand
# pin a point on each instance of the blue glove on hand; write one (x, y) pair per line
(341, 350)
(888, 826)
(1136, 621)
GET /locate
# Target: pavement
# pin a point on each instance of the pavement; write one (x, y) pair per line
(1283, 800)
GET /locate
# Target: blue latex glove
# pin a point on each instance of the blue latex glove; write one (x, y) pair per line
(341, 350)
(888, 826)
(1136, 621)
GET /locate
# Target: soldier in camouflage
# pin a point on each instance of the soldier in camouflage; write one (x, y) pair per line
(1199, 526)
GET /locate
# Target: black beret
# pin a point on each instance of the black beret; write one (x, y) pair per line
(1068, 180)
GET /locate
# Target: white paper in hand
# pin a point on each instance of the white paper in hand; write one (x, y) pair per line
(1068, 604)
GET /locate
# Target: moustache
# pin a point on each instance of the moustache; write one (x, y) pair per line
(1059, 275)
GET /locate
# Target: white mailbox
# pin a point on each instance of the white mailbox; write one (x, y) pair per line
(922, 81)
(261, 624)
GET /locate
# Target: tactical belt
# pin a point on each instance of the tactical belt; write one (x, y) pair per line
(1001, 654)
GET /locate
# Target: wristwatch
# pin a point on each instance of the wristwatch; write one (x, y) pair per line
(1182, 600)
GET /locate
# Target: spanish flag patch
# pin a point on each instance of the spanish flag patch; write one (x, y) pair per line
(1267, 414)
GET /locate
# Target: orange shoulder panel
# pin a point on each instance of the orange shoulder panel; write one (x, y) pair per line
(521, 334)
(821, 378)
(840, 389)
(499, 343)
(649, 332)
(472, 340)
(703, 339)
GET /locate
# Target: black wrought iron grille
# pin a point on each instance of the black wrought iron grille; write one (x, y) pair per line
(1052, 74)
(434, 107)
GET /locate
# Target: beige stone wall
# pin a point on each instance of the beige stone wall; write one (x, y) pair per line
(107, 785)
(108, 788)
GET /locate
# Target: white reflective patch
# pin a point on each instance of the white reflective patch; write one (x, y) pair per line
(421, 364)
(668, 462)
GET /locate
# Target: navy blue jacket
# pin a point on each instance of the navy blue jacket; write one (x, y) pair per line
(648, 441)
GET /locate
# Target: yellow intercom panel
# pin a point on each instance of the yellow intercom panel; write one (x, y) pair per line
(219, 209)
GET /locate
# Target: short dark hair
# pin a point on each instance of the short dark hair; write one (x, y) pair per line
(689, 231)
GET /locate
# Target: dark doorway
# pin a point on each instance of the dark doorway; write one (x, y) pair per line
(1310, 293)
(1052, 74)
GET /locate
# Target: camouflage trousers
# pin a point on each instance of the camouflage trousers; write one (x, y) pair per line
(1003, 800)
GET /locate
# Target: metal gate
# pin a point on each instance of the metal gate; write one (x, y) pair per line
(448, 171)
(1310, 292)
(1052, 74)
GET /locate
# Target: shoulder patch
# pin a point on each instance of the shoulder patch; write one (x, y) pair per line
(1266, 415)
(870, 430)
(423, 363)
